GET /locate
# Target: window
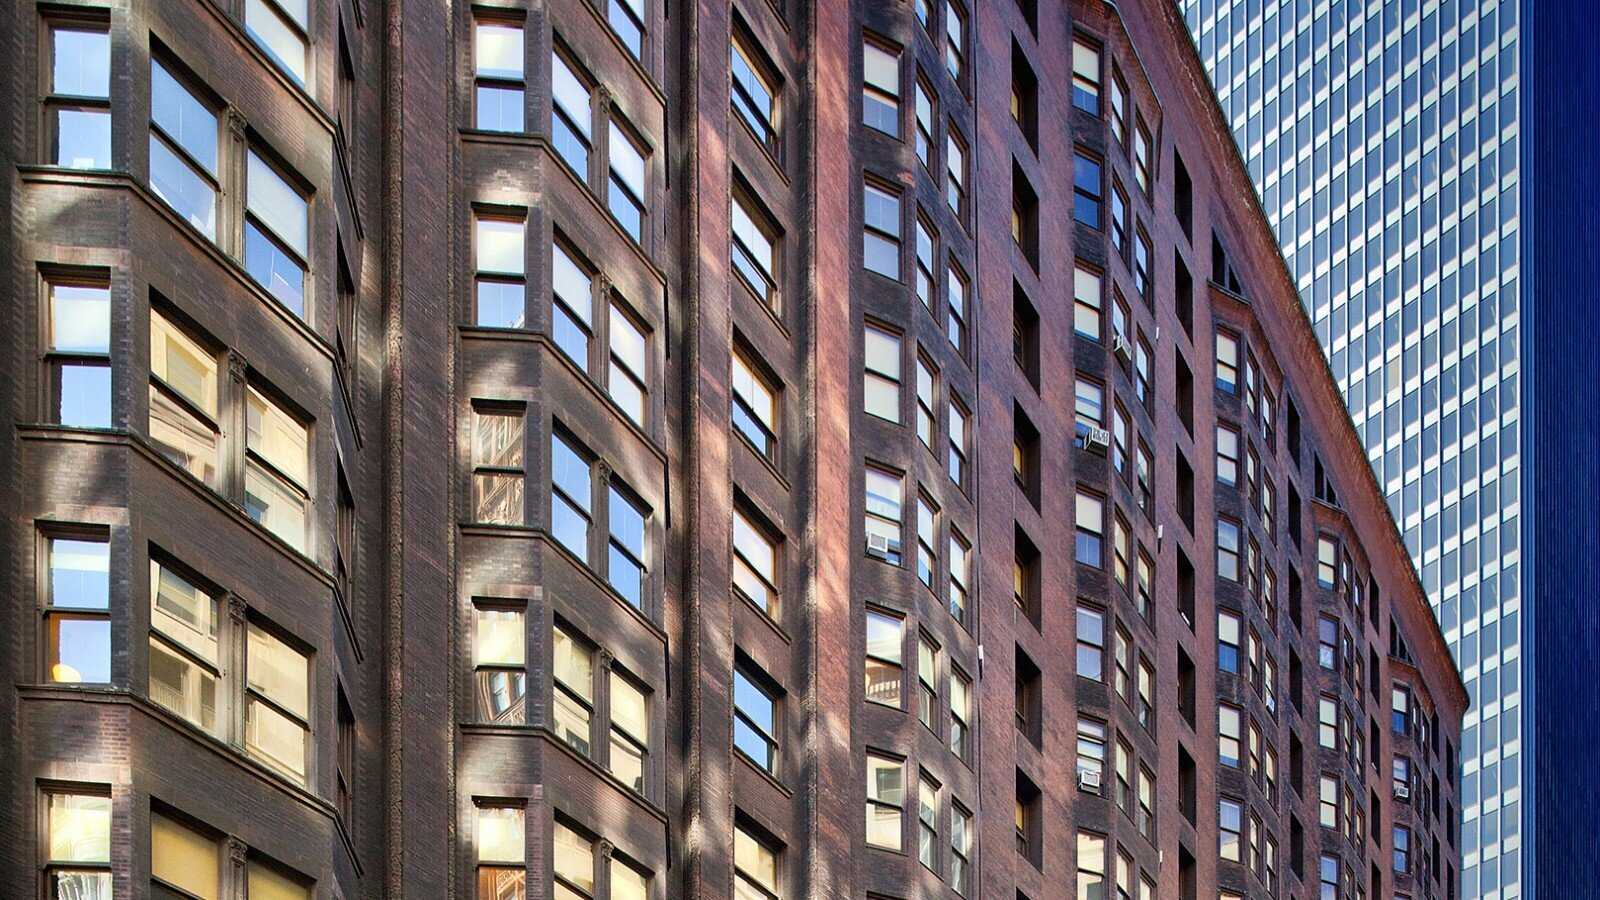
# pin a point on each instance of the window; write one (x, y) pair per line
(1141, 155)
(925, 126)
(1145, 572)
(928, 824)
(1125, 765)
(885, 796)
(755, 92)
(574, 864)
(1401, 776)
(926, 421)
(498, 658)
(1328, 801)
(1091, 754)
(183, 150)
(955, 40)
(183, 400)
(1147, 801)
(1327, 642)
(1229, 735)
(1124, 875)
(1144, 475)
(925, 262)
(960, 714)
(182, 858)
(883, 490)
(958, 444)
(1091, 866)
(78, 355)
(754, 254)
(184, 657)
(755, 407)
(1086, 76)
(1328, 722)
(1141, 265)
(1230, 827)
(1121, 549)
(280, 29)
(501, 278)
(627, 20)
(955, 168)
(344, 768)
(1227, 363)
(1228, 641)
(276, 228)
(1400, 710)
(1119, 220)
(630, 365)
(570, 116)
(885, 639)
(497, 61)
(882, 381)
(927, 536)
(1119, 106)
(263, 881)
(1227, 455)
(1327, 553)
(77, 609)
(960, 564)
(78, 863)
(755, 866)
(626, 196)
(1147, 693)
(1141, 373)
(630, 731)
(1228, 549)
(1091, 624)
(755, 720)
(1121, 428)
(497, 473)
(277, 702)
(1089, 410)
(1086, 190)
(502, 852)
(881, 231)
(625, 565)
(1090, 514)
(956, 292)
(755, 564)
(1086, 303)
(571, 305)
(961, 833)
(573, 676)
(78, 107)
(571, 497)
(276, 469)
(880, 89)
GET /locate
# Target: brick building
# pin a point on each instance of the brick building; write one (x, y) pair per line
(561, 449)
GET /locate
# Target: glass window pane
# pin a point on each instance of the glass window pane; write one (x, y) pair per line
(574, 664)
(278, 671)
(627, 162)
(626, 882)
(80, 650)
(276, 739)
(570, 473)
(499, 637)
(574, 858)
(570, 95)
(271, 30)
(268, 884)
(497, 440)
(184, 119)
(183, 612)
(80, 573)
(81, 63)
(499, 108)
(186, 192)
(278, 507)
(269, 264)
(629, 710)
(500, 246)
(80, 828)
(883, 637)
(85, 396)
(501, 834)
(183, 364)
(276, 437)
(182, 686)
(497, 50)
(277, 204)
(184, 858)
(83, 138)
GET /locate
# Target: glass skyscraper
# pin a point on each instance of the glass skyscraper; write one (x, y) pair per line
(1382, 137)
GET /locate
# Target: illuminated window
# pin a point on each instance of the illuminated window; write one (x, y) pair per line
(78, 608)
(499, 657)
(277, 703)
(78, 863)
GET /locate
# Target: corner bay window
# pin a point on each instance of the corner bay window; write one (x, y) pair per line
(183, 151)
(570, 497)
(571, 305)
(570, 116)
(630, 731)
(276, 229)
(573, 698)
(625, 561)
(626, 197)
(184, 651)
(183, 400)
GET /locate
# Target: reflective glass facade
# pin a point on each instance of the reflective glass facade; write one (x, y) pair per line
(1383, 139)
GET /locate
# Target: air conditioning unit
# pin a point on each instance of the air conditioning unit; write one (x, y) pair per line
(878, 545)
(1096, 437)
(1402, 792)
(1121, 346)
(1089, 780)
